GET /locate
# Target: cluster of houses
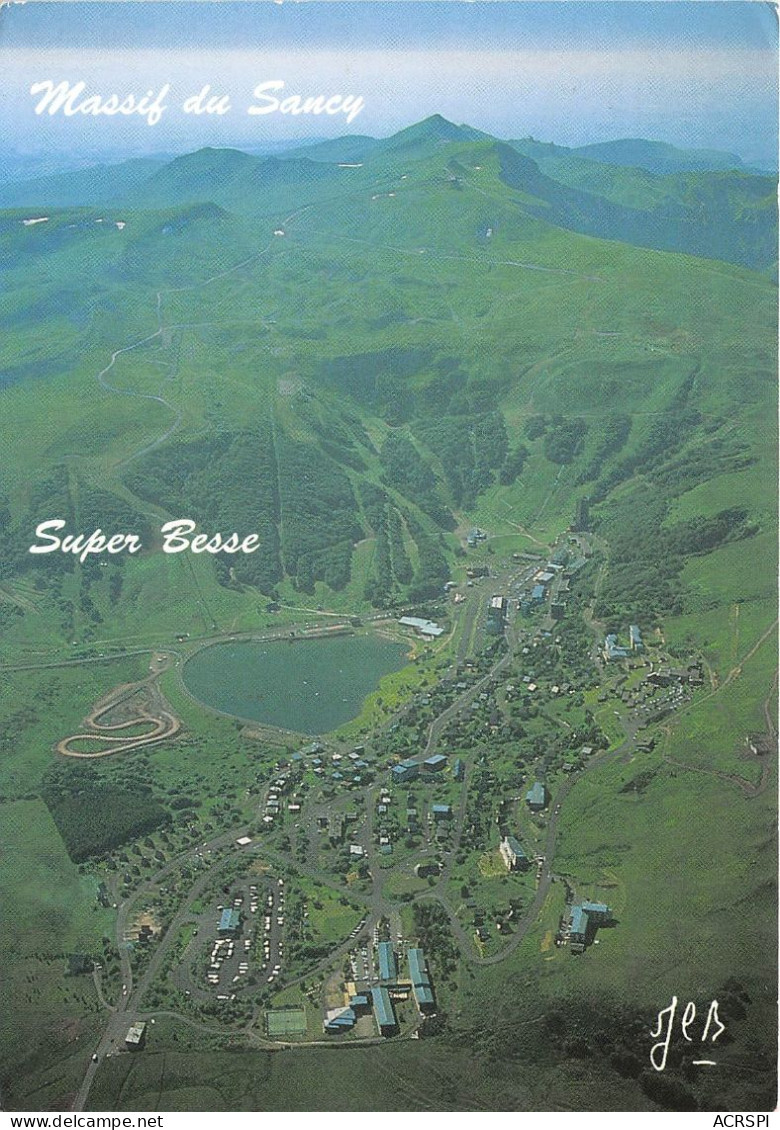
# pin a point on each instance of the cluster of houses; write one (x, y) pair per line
(410, 769)
(512, 851)
(540, 582)
(380, 998)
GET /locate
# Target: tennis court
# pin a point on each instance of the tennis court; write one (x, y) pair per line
(286, 1022)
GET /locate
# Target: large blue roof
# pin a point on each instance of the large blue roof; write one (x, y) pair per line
(383, 1007)
(229, 919)
(417, 970)
(387, 967)
(579, 920)
(423, 994)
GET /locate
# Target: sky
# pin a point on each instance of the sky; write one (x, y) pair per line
(701, 74)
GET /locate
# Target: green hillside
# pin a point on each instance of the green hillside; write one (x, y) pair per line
(361, 364)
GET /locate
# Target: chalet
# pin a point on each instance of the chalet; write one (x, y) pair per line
(512, 854)
(536, 798)
(406, 771)
(585, 920)
(760, 744)
(434, 764)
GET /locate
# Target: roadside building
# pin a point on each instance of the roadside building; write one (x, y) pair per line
(229, 921)
(585, 920)
(578, 931)
(458, 769)
(384, 1013)
(512, 854)
(136, 1036)
(537, 594)
(441, 811)
(536, 798)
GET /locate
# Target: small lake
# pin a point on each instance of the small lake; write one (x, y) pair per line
(311, 686)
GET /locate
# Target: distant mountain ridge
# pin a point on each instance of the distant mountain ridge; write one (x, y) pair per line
(645, 193)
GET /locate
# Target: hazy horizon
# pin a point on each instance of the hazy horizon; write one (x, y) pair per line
(694, 75)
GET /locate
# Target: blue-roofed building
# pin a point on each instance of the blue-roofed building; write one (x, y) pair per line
(423, 994)
(339, 1019)
(597, 912)
(421, 982)
(635, 638)
(384, 1012)
(229, 921)
(441, 811)
(434, 764)
(578, 930)
(359, 1004)
(537, 594)
(585, 920)
(612, 650)
(513, 855)
(536, 797)
(458, 769)
(418, 972)
(388, 970)
(406, 771)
